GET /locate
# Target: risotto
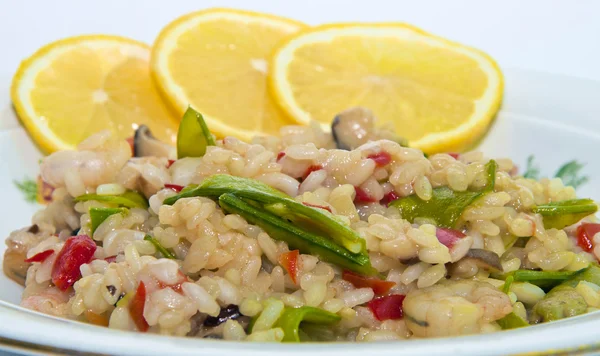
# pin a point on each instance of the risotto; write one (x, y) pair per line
(310, 236)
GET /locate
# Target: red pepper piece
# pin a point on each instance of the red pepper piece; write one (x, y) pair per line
(177, 286)
(585, 235)
(111, 259)
(385, 308)
(362, 196)
(289, 261)
(379, 287)
(136, 308)
(175, 187)
(448, 237)
(280, 155)
(96, 319)
(44, 191)
(170, 163)
(130, 142)
(76, 251)
(324, 207)
(454, 155)
(389, 197)
(40, 257)
(311, 169)
(381, 159)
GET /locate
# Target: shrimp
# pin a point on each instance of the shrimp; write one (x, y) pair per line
(17, 245)
(145, 174)
(96, 162)
(47, 300)
(454, 308)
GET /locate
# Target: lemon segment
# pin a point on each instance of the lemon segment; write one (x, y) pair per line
(75, 87)
(438, 94)
(217, 61)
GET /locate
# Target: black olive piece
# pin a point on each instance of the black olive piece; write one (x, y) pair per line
(229, 312)
(410, 261)
(118, 299)
(213, 336)
(34, 229)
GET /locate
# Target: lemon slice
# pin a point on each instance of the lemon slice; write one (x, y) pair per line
(78, 86)
(438, 94)
(217, 62)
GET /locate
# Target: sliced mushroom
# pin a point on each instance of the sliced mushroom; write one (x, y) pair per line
(13, 263)
(521, 254)
(196, 322)
(485, 259)
(354, 127)
(145, 144)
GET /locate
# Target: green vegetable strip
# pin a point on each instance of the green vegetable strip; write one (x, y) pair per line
(296, 237)
(129, 199)
(98, 215)
(445, 206)
(512, 321)
(291, 318)
(163, 251)
(507, 283)
(319, 221)
(590, 274)
(563, 300)
(193, 135)
(543, 279)
(565, 213)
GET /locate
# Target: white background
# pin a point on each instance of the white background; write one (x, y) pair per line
(550, 36)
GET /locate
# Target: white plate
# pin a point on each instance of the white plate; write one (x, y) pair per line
(553, 117)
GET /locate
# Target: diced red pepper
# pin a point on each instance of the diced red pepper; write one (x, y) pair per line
(280, 155)
(170, 163)
(136, 308)
(379, 287)
(385, 308)
(389, 197)
(448, 237)
(177, 286)
(311, 169)
(381, 159)
(585, 235)
(362, 196)
(130, 142)
(44, 191)
(40, 257)
(96, 319)
(324, 207)
(289, 261)
(76, 251)
(111, 259)
(175, 187)
(454, 155)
